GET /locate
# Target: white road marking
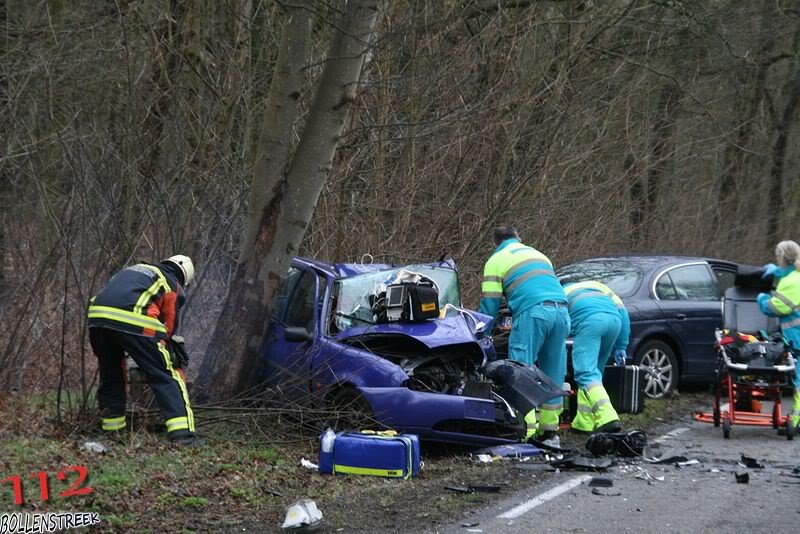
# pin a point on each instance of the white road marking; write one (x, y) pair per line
(564, 487)
(544, 497)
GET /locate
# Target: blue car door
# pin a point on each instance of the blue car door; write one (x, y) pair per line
(287, 361)
(689, 298)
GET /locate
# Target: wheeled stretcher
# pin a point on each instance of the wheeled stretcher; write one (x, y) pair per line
(753, 365)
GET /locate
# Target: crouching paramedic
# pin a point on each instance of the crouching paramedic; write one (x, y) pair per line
(784, 302)
(600, 326)
(540, 322)
(136, 313)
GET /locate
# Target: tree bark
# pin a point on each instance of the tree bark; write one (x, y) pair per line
(231, 362)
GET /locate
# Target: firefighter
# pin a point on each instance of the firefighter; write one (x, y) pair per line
(540, 322)
(600, 326)
(137, 313)
(784, 302)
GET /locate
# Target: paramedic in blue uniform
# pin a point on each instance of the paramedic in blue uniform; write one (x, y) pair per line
(540, 324)
(600, 325)
(784, 302)
(136, 313)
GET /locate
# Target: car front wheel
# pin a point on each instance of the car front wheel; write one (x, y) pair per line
(660, 366)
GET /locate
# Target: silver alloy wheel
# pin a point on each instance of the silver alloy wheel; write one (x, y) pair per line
(660, 375)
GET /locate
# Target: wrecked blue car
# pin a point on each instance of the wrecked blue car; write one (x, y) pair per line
(340, 336)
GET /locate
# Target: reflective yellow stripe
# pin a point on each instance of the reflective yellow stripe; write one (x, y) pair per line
(124, 316)
(113, 423)
(492, 294)
(594, 286)
(177, 423)
(492, 287)
(177, 377)
(492, 278)
(145, 297)
(774, 308)
(552, 406)
(583, 408)
(786, 300)
(599, 403)
(592, 386)
(350, 470)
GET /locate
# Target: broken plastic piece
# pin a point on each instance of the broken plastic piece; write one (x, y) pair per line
(601, 482)
(473, 489)
(667, 459)
(583, 462)
(94, 446)
(303, 513)
(751, 463)
(687, 463)
(596, 491)
(742, 478)
(308, 464)
(516, 450)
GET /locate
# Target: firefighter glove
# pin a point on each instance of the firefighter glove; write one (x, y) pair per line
(177, 350)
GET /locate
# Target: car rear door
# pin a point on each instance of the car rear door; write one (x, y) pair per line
(689, 297)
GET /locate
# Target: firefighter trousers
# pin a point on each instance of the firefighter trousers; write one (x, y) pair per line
(153, 358)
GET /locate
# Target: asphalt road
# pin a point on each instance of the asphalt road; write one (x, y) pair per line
(694, 499)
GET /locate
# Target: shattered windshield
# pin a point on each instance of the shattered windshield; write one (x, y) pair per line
(353, 304)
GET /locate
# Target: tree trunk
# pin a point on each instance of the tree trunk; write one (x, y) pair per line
(775, 202)
(659, 154)
(272, 151)
(231, 361)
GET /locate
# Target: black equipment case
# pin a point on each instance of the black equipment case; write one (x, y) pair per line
(625, 388)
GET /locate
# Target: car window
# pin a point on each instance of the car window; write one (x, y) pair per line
(301, 307)
(725, 278)
(288, 282)
(621, 276)
(355, 295)
(693, 282)
(664, 288)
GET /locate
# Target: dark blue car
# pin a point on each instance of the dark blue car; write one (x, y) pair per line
(675, 306)
(324, 348)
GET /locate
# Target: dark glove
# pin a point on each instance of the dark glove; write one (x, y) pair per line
(177, 352)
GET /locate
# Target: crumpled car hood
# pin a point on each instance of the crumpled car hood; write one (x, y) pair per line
(435, 333)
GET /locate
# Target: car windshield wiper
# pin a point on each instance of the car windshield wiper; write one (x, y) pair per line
(353, 317)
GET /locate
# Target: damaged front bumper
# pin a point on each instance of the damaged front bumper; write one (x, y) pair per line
(444, 418)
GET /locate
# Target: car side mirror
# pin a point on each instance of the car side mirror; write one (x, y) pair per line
(296, 334)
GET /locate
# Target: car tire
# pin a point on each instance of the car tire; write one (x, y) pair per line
(351, 411)
(662, 365)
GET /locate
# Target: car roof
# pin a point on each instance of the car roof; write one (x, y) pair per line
(653, 261)
(346, 270)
